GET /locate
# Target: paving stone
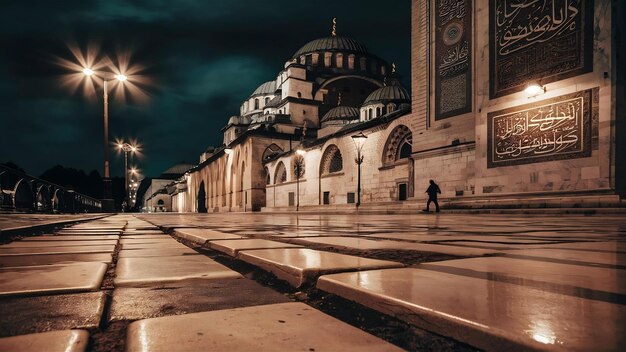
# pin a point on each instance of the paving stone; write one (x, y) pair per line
(75, 277)
(138, 253)
(56, 250)
(232, 247)
(146, 237)
(26, 315)
(150, 270)
(579, 276)
(171, 244)
(55, 238)
(592, 246)
(362, 243)
(591, 257)
(31, 244)
(189, 296)
(201, 236)
(62, 341)
(46, 259)
(487, 314)
(163, 239)
(298, 266)
(275, 327)
(456, 237)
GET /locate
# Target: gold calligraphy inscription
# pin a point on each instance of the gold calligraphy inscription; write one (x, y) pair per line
(554, 129)
(538, 40)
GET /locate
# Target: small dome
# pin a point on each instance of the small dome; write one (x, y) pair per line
(340, 115)
(331, 44)
(265, 88)
(393, 93)
(239, 120)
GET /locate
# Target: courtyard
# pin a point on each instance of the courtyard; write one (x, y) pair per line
(315, 282)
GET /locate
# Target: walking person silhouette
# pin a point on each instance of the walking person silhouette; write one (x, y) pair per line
(432, 191)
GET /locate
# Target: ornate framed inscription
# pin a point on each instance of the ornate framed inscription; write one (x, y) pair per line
(553, 129)
(538, 40)
(453, 56)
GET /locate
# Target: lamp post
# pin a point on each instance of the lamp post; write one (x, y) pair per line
(127, 148)
(107, 201)
(298, 163)
(359, 141)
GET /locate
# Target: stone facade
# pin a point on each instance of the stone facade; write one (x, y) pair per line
(454, 150)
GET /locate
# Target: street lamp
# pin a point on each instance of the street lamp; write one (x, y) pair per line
(359, 141)
(298, 163)
(127, 148)
(107, 196)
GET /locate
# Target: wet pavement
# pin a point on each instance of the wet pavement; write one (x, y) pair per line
(493, 282)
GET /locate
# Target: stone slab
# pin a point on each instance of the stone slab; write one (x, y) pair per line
(232, 247)
(472, 238)
(487, 314)
(151, 270)
(581, 256)
(145, 237)
(56, 250)
(163, 239)
(298, 266)
(54, 238)
(31, 244)
(61, 341)
(275, 327)
(189, 296)
(46, 259)
(592, 246)
(171, 244)
(201, 236)
(361, 243)
(138, 253)
(577, 276)
(27, 315)
(75, 277)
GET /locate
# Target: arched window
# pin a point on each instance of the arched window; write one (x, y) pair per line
(332, 161)
(160, 202)
(399, 145)
(378, 112)
(369, 114)
(391, 107)
(256, 104)
(270, 151)
(268, 180)
(299, 94)
(267, 100)
(281, 174)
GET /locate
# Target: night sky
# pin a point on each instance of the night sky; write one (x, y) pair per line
(202, 58)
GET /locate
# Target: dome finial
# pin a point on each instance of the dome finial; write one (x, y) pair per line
(334, 33)
(393, 68)
(339, 101)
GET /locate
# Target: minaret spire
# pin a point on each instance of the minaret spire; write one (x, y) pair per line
(334, 33)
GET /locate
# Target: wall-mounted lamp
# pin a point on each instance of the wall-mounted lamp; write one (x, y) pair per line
(228, 150)
(300, 152)
(534, 89)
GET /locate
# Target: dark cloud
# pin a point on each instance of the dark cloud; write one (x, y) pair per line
(203, 58)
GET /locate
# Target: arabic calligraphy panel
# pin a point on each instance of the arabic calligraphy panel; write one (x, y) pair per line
(453, 54)
(538, 40)
(553, 129)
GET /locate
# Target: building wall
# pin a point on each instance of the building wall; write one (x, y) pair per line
(379, 180)
(454, 150)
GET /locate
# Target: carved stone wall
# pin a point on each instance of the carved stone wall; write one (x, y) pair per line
(542, 41)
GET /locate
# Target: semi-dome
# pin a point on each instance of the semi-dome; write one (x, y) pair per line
(393, 93)
(265, 88)
(340, 115)
(333, 43)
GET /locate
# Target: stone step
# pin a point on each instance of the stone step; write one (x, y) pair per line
(75, 277)
(275, 327)
(299, 266)
(487, 314)
(66, 341)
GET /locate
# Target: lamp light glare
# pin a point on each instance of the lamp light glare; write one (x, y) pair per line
(300, 152)
(534, 89)
(87, 71)
(121, 77)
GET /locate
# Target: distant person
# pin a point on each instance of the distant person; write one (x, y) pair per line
(432, 191)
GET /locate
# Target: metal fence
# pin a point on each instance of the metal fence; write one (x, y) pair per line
(24, 193)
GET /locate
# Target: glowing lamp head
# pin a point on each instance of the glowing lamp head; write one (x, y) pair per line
(533, 89)
(359, 140)
(87, 71)
(300, 152)
(121, 77)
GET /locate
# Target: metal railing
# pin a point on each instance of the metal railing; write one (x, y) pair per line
(21, 192)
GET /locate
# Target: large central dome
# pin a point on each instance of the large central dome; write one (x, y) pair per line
(333, 43)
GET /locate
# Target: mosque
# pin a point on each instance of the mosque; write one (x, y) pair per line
(506, 112)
